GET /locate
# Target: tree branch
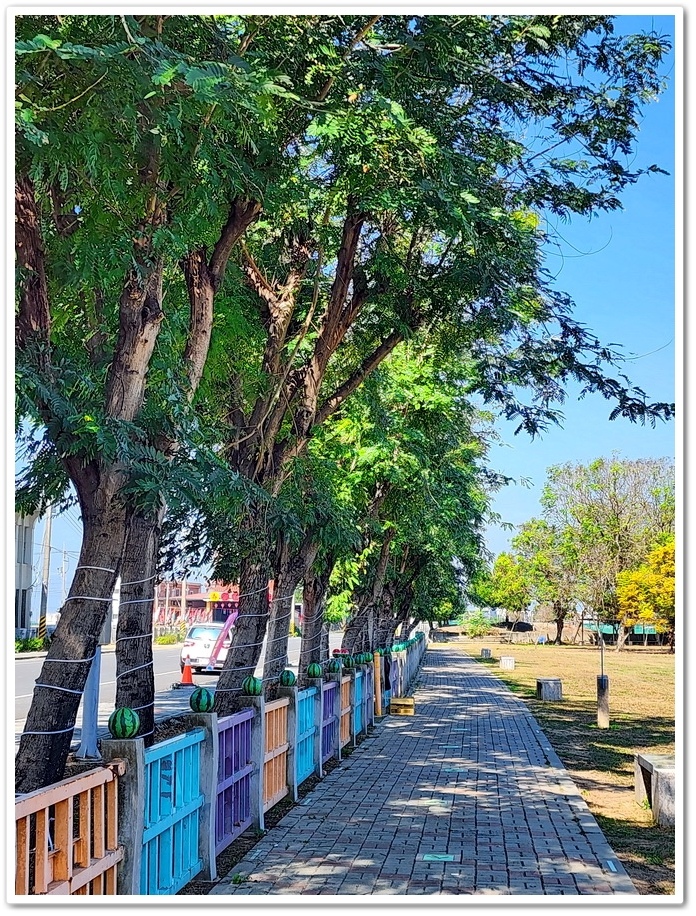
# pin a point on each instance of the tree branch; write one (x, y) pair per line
(368, 365)
(33, 320)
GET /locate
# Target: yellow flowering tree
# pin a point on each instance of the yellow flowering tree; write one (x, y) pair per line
(646, 595)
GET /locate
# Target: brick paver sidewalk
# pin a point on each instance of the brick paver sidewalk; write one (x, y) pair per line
(465, 797)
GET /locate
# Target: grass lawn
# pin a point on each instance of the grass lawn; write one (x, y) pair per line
(600, 761)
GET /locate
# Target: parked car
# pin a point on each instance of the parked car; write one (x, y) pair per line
(198, 644)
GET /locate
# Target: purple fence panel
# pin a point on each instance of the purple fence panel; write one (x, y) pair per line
(329, 721)
(233, 811)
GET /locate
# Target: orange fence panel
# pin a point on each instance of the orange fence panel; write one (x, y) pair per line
(345, 710)
(275, 783)
(67, 835)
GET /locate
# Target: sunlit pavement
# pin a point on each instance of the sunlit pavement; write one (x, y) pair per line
(465, 797)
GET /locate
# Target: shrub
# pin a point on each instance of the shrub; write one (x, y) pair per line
(32, 644)
(475, 624)
(169, 639)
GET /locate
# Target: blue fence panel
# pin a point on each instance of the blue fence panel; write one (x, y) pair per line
(173, 800)
(235, 766)
(358, 700)
(329, 721)
(306, 730)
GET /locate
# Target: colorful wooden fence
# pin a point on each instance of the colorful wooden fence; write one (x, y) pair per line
(329, 720)
(67, 836)
(345, 711)
(173, 799)
(306, 731)
(275, 782)
(235, 766)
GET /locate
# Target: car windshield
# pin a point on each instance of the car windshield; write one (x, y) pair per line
(204, 632)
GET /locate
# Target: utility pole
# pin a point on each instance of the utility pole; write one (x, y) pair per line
(46, 572)
(63, 570)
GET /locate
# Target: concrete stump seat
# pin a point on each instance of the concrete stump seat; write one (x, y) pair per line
(654, 783)
(549, 688)
(485, 653)
(507, 662)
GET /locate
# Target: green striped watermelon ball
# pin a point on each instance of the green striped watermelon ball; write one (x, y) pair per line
(314, 670)
(202, 699)
(287, 678)
(124, 723)
(334, 666)
(252, 686)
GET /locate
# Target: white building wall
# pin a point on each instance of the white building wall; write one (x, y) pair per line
(24, 571)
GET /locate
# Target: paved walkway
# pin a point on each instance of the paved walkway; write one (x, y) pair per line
(465, 797)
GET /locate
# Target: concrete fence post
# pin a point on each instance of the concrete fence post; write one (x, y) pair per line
(209, 782)
(131, 809)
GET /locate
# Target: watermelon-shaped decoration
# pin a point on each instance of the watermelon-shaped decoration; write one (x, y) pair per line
(334, 666)
(201, 700)
(349, 661)
(124, 723)
(314, 670)
(252, 686)
(287, 678)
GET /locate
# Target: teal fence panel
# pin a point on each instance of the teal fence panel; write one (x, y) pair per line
(306, 730)
(358, 700)
(173, 800)
(368, 696)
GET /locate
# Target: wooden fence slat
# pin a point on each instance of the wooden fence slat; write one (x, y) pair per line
(22, 854)
(98, 821)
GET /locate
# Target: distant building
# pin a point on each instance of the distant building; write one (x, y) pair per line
(24, 573)
(194, 601)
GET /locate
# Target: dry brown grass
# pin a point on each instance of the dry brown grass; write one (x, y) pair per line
(600, 761)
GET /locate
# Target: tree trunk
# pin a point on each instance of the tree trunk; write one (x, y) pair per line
(355, 635)
(622, 637)
(45, 743)
(359, 633)
(314, 594)
(135, 681)
(290, 570)
(247, 634)
(559, 620)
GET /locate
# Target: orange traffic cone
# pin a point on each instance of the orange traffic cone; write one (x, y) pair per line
(186, 679)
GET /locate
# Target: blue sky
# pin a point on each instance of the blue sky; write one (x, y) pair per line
(620, 270)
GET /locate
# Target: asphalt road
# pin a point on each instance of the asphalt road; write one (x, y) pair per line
(166, 667)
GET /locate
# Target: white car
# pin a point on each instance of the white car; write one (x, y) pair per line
(198, 644)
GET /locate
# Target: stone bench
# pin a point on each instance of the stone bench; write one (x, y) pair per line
(549, 688)
(654, 783)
